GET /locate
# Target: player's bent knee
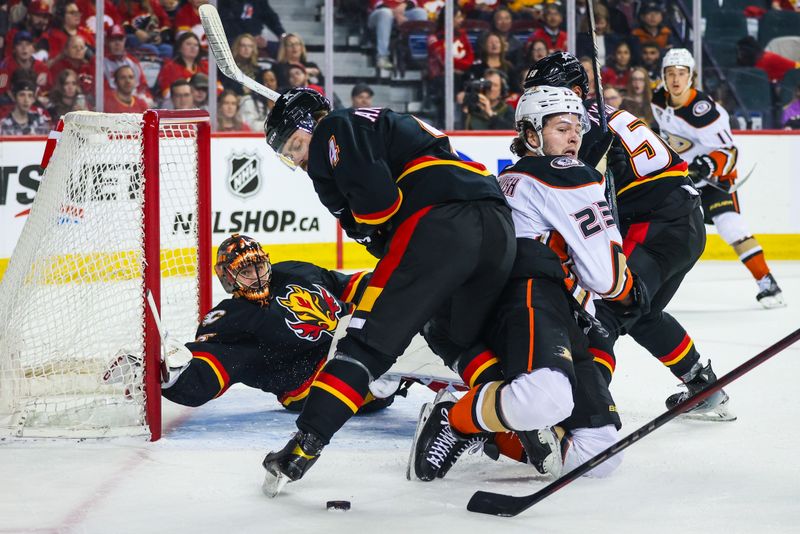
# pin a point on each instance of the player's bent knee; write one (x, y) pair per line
(732, 227)
(535, 400)
(586, 443)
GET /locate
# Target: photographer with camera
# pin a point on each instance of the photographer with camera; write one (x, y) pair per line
(485, 105)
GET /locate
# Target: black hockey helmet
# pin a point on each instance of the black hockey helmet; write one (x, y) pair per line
(560, 69)
(235, 257)
(295, 109)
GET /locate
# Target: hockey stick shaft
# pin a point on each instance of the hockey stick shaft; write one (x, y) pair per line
(508, 505)
(611, 190)
(218, 43)
(151, 303)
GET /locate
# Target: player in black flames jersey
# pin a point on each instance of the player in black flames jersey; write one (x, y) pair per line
(663, 233)
(440, 226)
(273, 334)
(567, 243)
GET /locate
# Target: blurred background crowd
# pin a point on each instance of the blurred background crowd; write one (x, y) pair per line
(388, 53)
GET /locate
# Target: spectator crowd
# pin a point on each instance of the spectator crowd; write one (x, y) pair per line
(155, 55)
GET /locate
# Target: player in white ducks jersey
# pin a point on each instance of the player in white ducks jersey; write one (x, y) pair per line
(699, 130)
(567, 242)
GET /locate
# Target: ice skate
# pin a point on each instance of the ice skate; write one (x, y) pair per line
(769, 293)
(290, 463)
(714, 408)
(436, 446)
(543, 450)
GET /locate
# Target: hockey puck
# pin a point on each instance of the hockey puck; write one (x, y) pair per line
(338, 505)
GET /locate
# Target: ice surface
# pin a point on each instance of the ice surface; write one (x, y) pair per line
(688, 476)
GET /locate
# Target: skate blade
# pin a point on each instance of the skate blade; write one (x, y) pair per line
(274, 484)
(719, 414)
(773, 302)
(424, 414)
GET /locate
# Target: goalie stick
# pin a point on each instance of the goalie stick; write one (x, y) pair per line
(151, 303)
(218, 43)
(485, 502)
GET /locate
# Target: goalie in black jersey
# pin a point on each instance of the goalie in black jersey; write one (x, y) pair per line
(440, 226)
(273, 334)
(661, 222)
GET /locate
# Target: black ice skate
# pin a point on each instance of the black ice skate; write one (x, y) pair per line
(543, 449)
(436, 447)
(769, 293)
(714, 408)
(290, 463)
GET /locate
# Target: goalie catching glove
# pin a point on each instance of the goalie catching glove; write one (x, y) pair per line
(125, 367)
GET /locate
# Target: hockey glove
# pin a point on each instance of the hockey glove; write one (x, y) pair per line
(595, 155)
(586, 322)
(639, 303)
(617, 159)
(701, 168)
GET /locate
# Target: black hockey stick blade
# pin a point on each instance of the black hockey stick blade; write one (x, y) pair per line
(485, 502)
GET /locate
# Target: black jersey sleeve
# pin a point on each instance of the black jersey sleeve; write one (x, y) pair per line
(354, 174)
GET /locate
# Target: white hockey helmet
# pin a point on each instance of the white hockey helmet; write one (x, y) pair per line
(677, 57)
(542, 101)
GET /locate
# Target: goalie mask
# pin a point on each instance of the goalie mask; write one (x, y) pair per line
(538, 103)
(295, 110)
(560, 69)
(243, 268)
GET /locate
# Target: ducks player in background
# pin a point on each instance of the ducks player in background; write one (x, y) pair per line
(699, 130)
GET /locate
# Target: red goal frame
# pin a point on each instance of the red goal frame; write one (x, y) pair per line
(153, 119)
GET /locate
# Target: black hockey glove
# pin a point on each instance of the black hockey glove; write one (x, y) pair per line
(617, 159)
(586, 322)
(596, 152)
(701, 168)
(640, 304)
(375, 243)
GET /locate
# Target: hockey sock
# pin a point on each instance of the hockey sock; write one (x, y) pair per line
(479, 365)
(605, 361)
(666, 339)
(477, 411)
(752, 255)
(509, 445)
(336, 395)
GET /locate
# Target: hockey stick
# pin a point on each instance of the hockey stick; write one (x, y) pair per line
(611, 190)
(485, 502)
(218, 43)
(731, 189)
(151, 303)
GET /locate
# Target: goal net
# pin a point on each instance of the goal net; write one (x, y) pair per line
(123, 210)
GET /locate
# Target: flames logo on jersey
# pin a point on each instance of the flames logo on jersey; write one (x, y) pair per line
(315, 312)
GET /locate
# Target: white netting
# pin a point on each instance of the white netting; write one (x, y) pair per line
(73, 294)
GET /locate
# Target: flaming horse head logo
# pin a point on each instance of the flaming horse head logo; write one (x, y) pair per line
(315, 312)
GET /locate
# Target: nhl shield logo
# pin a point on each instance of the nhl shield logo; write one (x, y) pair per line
(244, 174)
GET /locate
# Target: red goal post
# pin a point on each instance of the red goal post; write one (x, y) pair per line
(122, 194)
